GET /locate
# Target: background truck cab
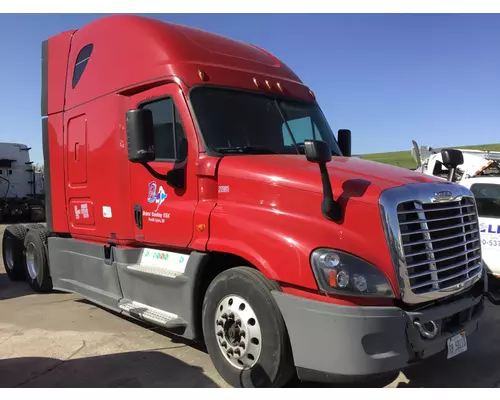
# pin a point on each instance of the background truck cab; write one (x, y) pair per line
(479, 172)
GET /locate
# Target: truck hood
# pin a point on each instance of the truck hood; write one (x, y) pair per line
(347, 174)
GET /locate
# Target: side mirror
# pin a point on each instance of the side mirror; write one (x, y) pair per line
(452, 158)
(140, 136)
(317, 151)
(344, 139)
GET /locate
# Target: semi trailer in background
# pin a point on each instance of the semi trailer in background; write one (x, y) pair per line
(21, 186)
(193, 182)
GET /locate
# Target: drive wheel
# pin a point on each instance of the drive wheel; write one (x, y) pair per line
(244, 330)
(12, 251)
(36, 260)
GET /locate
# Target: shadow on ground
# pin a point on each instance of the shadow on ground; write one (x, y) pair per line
(10, 289)
(134, 369)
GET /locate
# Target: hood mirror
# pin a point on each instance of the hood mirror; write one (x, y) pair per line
(318, 152)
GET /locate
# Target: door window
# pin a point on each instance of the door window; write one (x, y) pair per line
(170, 138)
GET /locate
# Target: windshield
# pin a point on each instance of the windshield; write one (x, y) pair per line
(240, 122)
(487, 197)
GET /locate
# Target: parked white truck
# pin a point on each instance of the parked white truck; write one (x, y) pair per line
(480, 172)
(21, 187)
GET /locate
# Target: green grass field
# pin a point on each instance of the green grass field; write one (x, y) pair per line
(405, 160)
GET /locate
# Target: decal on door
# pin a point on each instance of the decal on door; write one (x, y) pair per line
(156, 197)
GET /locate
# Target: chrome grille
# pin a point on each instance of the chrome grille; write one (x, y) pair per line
(440, 243)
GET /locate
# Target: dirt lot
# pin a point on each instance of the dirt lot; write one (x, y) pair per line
(61, 340)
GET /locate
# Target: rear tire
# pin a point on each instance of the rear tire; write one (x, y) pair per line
(36, 261)
(255, 352)
(12, 251)
(35, 226)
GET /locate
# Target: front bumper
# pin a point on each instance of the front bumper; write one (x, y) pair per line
(330, 341)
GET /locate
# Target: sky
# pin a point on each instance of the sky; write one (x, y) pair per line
(390, 78)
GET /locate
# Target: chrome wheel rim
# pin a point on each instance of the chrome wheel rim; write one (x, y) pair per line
(30, 260)
(238, 332)
(9, 254)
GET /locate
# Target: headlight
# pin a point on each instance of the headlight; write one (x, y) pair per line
(337, 272)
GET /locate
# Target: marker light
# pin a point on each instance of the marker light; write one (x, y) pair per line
(337, 272)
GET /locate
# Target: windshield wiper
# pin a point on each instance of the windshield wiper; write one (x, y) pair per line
(245, 150)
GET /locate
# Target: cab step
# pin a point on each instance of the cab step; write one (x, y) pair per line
(155, 270)
(151, 314)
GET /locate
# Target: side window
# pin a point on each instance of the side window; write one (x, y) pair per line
(170, 138)
(81, 63)
(302, 129)
(487, 197)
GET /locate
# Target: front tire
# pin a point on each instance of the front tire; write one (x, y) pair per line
(244, 330)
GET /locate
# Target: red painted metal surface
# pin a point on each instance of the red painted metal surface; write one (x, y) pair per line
(265, 209)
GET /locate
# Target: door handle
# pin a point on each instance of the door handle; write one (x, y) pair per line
(138, 215)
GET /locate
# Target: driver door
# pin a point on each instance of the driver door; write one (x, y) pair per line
(163, 214)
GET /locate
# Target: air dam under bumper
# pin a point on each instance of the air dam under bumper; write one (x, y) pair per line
(331, 341)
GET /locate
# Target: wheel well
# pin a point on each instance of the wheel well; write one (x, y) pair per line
(216, 263)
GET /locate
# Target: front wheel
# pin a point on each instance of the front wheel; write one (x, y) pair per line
(244, 330)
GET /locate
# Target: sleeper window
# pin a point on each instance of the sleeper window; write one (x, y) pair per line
(81, 63)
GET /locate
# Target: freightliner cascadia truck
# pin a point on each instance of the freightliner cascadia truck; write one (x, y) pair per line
(193, 182)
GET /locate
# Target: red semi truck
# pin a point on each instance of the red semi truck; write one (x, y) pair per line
(192, 182)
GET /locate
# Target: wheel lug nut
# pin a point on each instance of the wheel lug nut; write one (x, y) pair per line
(242, 345)
(237, 352)
(224, 316)
(224, 344)
(220, 333)
(230, 352)
(238, 322)
(220, 323)
(231, 315)
(242, 333)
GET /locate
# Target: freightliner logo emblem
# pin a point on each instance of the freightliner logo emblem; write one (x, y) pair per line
(445, 195)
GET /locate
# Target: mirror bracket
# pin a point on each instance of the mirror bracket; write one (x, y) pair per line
(174, 178)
